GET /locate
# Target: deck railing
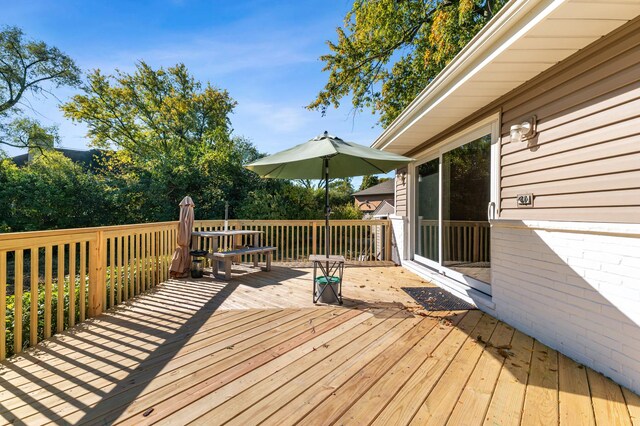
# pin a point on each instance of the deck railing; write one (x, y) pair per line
(295, 240)
(51, 280)
(464, 241)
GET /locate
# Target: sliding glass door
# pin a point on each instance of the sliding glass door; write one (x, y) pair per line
(427, 207)
(452, 194)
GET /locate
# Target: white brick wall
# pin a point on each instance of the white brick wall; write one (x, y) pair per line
(575, 288)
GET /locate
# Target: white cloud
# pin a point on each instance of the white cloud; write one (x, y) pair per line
(221, 51)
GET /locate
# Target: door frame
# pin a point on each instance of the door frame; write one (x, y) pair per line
(489, 125)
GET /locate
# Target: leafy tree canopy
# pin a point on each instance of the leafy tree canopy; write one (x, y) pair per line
(371, 180)
(52, 192)
(157, 117)
(172, 138)
(29, 67)
(387, 50)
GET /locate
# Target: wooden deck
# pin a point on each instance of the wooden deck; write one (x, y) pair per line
(256, 350)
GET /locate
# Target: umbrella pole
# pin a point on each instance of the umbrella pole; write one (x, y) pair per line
(326, 206)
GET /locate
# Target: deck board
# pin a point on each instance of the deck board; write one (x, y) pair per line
(575, 396)
(257, 349)
(507, 401)
(441, 401)
(473, 403)
(541, 400)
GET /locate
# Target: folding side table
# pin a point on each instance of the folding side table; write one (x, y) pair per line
(327, 271)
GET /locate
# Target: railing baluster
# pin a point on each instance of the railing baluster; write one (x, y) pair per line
(119, 267)
(17, 294)
(60, 286)
(83, 282)
(132, 281)
(72, 284)
(3, 304)
(112, 271)
(141, 265)
(33, 289)
(126, 266)
(156, 272)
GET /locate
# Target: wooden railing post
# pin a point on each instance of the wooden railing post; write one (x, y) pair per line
(96, 274)
(476, 243)
(314, 239)
(387, 245)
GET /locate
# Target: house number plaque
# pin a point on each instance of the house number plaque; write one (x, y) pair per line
(524, 200)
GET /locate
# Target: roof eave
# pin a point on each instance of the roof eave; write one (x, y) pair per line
(480, 49)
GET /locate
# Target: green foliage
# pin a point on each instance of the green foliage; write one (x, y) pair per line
(278, 199)
(371, 180)
(346, 211)
(163, 135)
(28, 67)
(368, 181)
(172, 136)
(388, 51)
(159, 118)
(52, 192)
(26, 313)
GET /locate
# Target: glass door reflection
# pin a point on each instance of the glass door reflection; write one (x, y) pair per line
(427, 210)
(466, 192)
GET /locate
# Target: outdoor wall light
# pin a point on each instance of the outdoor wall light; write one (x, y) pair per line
(524, 131)
(402, 176)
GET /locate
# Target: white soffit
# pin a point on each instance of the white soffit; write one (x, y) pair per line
(524, 39)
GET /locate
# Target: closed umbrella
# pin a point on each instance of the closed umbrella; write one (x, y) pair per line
(327, 156)
(180, 263)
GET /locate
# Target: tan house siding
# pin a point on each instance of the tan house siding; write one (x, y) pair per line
(584, 164)
(401, 192)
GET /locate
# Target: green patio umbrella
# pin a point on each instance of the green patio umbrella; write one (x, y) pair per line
(327, 156)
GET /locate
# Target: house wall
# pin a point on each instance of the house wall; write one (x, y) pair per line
(574, 287)
(584, 164)
(401, 192)
(567, 271)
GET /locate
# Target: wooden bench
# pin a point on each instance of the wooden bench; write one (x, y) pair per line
(228, 257)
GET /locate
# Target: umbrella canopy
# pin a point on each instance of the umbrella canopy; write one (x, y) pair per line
(306, 161)
(327, 156)
(181, 261)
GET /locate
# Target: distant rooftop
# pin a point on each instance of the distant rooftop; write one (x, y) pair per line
(384, 209)
(86, 158)
(386, 187)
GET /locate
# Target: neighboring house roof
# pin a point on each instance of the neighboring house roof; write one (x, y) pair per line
(384, 188)
(524, 39)
(86, 158)
(385, 208)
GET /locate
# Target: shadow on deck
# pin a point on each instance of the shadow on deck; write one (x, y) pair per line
(257, 349)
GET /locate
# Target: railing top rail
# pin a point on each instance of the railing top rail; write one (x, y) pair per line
(319, 222)
(82, 233)
(73, 231)
(456, 222)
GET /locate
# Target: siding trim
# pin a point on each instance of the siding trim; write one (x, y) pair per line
(631, 230)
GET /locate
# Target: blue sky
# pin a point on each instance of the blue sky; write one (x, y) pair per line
(265, 53)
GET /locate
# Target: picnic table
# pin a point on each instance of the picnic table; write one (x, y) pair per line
(237, 251)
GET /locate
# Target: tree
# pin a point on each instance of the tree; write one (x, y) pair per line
(29, 67)
(157, 116)
(172, 138)
(389, 50)
(53, 192)
(368, 181)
